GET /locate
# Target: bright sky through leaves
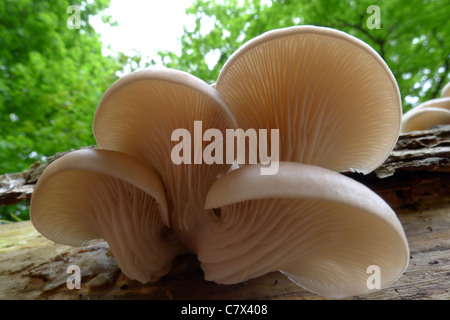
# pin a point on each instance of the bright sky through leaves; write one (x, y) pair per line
(144, 25)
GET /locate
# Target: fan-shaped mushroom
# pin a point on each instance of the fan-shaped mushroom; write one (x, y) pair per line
(91, 194)
(336, 105)
(138, 115)
(319, 227)
(426, 115)
(334, 100)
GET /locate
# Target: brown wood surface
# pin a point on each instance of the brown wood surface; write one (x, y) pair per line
(32, 267)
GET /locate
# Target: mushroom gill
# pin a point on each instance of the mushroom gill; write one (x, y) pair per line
(138, 115)
(101, 194)
(337, 107)
(320, 228)
(333, 99)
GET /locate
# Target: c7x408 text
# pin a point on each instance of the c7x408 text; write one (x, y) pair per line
(237, 309)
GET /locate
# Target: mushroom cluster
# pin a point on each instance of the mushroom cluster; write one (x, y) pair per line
(428, 114)
(337, 108)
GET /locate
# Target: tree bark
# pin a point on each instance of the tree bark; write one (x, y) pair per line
(417, 171)
(17, 187)
(32, 267)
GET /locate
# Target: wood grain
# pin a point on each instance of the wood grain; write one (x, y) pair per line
(32, 267)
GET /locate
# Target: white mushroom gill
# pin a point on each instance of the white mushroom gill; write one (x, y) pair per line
(337, 107)
(321, 228)
(138, 115)
(334, 100)
(92, 194)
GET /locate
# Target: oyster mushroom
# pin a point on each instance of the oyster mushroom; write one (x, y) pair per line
(320, 228)
(334, 100)
(100, 194)
(336, 105)
(338, 108)
(426, 115)
(138, 115)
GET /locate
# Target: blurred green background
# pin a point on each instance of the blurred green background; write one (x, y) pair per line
(52, 76)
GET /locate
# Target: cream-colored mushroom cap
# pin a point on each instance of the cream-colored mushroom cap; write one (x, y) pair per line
(333, 98)
(443, 103)
(100, 194)
(320, 228)
(138, 115)
(424, 119)
(445, 92)
(426, 115)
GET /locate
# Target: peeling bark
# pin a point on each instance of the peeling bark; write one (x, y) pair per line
(32, 267)
(18, 187)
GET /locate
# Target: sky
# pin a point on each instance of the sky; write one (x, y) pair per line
(144, 25)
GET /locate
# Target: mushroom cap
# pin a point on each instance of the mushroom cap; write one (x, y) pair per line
(138, 114)
(334, 100)
(443, 103)
(426, 115)
(100, 194)
(320, 228)
(445, 92)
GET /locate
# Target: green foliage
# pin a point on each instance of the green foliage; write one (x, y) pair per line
(413, 38)
(14, 213)
(51, 80)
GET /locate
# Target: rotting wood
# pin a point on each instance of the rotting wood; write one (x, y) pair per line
(32, 267)
(19, 186)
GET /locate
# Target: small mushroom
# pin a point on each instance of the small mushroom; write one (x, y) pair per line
(445, 92)
(333, 99)
(443, 103)
(100, 194)
(426, 115)
(320, 228)
(138, 115)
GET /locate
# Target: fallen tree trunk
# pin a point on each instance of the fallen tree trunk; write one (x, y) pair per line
(32, 267)
(414, 180)
(19, 186)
